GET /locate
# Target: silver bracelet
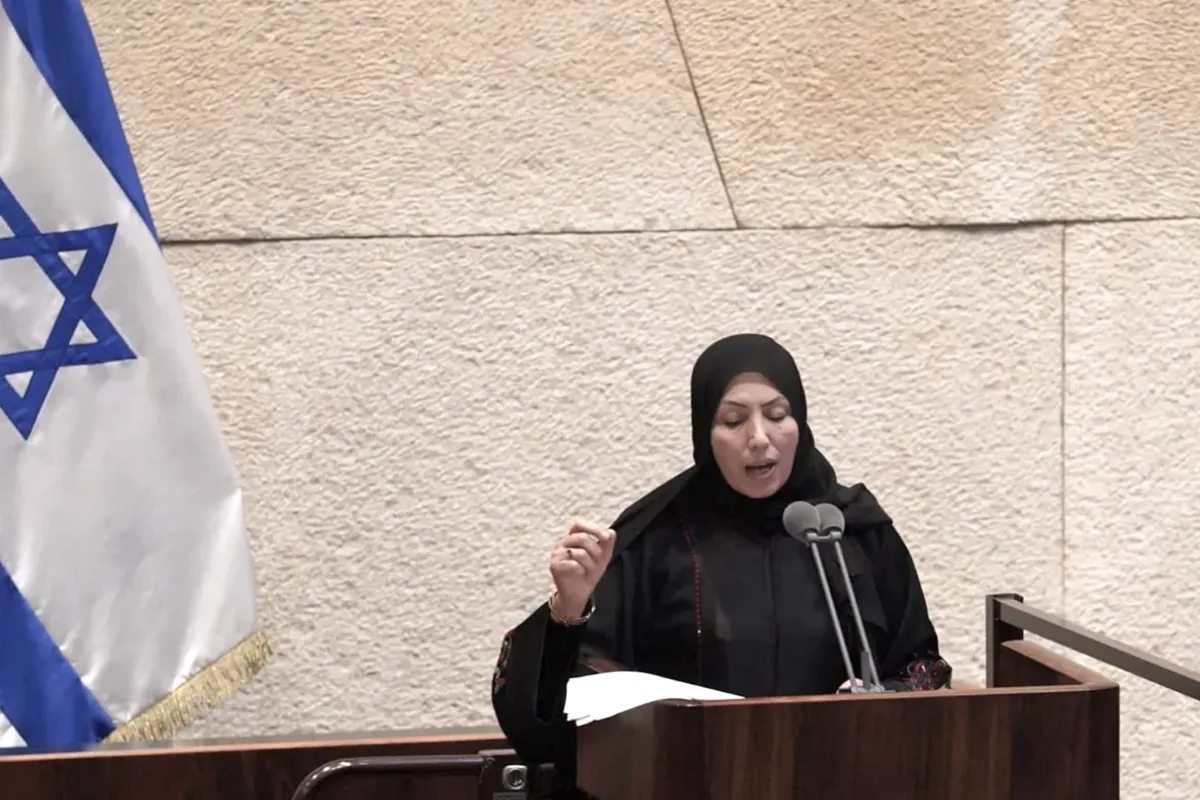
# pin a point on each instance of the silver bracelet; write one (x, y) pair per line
(588, 610)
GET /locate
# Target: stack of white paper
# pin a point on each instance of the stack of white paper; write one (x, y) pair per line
(596, 697)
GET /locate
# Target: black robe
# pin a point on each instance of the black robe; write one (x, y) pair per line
(692, 595)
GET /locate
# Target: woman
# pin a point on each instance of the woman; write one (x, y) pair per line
(698, 581)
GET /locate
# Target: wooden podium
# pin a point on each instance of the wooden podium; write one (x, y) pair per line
(1047, 731)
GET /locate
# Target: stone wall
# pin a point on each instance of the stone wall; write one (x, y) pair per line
(448, 265)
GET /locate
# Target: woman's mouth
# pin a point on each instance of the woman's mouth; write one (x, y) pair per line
(760, 470)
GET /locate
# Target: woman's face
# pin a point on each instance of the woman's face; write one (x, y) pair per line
(754, 436)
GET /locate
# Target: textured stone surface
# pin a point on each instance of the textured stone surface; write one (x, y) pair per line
(417, 420)
(348, 117)
(1133, 474)
(873, 111)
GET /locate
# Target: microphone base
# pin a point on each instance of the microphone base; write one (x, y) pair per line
(860, 688)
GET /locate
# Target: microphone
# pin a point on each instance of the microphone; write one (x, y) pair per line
(803, 523)
(833, 525)
(825, 524)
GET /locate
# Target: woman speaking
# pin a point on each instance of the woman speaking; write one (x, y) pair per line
(698, 581)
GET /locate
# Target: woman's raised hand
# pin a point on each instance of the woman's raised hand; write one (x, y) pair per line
(577, 563)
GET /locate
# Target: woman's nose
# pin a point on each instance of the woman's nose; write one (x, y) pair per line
(758, 433)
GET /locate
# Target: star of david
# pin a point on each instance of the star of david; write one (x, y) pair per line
(22, 409)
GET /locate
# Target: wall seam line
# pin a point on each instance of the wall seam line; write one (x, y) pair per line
(1062, 420)
(712, 146)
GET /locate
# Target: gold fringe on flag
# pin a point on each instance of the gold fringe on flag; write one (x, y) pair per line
(202, 692)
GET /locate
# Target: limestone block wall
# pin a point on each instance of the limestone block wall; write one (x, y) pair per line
(447, 265)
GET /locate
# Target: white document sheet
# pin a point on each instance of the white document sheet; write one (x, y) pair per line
(595, 697)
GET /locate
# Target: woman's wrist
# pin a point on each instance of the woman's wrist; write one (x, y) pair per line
(570, 612)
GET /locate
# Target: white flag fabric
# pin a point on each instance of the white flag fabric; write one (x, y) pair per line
(124, 566)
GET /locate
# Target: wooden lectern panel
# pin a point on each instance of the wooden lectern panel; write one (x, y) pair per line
(250, 769)
(1054, 741)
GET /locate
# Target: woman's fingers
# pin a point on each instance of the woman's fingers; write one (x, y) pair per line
(583, 541)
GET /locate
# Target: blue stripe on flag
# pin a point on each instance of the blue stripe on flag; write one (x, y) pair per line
(40, 692)
(57, 35)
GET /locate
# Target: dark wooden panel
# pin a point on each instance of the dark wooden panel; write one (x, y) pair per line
(643, 754)
(1095, 749)
(1025, 663)
(1043, 743)
(246, 769)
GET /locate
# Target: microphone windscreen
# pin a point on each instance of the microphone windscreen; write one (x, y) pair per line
(831, 518)
(801, 519)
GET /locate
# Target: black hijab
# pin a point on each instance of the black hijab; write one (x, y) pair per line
(812, 478)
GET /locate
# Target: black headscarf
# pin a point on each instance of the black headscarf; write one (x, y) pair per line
(812, 479)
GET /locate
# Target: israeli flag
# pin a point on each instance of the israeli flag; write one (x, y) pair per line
(127, 595)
